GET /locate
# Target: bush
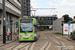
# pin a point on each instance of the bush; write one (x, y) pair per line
(60, 33)
(42, 29)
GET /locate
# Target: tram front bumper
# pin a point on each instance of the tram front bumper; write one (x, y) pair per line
(26, 39)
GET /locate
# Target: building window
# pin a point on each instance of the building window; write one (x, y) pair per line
(39, 18)
(42, 18)
(0, 1)
(49, 18)
(9, 5)
(17, 3)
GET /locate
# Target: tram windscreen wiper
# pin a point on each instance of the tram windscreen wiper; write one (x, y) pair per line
(25, 32)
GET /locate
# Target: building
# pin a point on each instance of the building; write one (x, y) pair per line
(46, 20)
(26, 8)
(57, 27)
(13, 11)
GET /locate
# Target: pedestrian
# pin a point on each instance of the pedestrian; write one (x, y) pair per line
(8, 34)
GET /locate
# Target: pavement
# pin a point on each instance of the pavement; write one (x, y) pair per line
(14, 37)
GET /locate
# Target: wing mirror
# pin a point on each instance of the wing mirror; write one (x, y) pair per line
(35, 25)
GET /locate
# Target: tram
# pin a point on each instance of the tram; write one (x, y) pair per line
(28, 29)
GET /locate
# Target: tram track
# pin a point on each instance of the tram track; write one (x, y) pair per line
(60, 43)
(67, 43)
(45, 46)
(29, 44)
(16, 44)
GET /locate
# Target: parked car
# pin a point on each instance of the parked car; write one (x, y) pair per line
(72, 35)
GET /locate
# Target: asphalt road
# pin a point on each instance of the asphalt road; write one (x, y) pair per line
(46, 41)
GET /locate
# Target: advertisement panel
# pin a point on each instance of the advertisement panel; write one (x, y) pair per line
(68, 28)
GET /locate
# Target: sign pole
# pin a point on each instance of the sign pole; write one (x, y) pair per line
(4, 27)
(69, 27)
(68, 30)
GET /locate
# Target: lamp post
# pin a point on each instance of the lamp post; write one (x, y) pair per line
(4, 23)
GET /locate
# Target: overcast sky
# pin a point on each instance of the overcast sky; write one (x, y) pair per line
(62, 7)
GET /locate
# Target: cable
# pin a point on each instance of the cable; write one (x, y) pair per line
(54, 2)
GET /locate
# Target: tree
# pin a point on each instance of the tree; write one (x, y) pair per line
(67, 18)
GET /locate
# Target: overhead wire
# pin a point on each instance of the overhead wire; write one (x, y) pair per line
(53, 5)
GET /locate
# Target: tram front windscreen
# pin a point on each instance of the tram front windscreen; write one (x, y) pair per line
(26, 25)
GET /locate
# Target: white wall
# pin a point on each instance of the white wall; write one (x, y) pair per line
(57, 25)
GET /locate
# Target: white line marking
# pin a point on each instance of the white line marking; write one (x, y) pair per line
(27, 47)
(44, 46)
(31, 48)
(48, 46)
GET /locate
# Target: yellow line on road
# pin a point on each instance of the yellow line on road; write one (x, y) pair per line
(48, 46)
(44, 46)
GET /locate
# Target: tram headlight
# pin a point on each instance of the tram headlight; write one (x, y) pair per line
(20, 35)
(31, 36)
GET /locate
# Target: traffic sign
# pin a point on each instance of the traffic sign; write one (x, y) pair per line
(16, 23)
(69, 22)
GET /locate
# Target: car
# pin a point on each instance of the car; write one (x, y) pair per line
(72, 35)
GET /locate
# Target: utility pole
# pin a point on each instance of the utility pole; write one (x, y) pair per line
(4, 27)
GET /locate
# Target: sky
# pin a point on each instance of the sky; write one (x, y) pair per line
(62, 7)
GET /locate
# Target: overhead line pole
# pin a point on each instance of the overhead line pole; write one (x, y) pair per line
(44, 8)
(4, 27)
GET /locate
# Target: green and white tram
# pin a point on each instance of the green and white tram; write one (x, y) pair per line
(28, 28)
